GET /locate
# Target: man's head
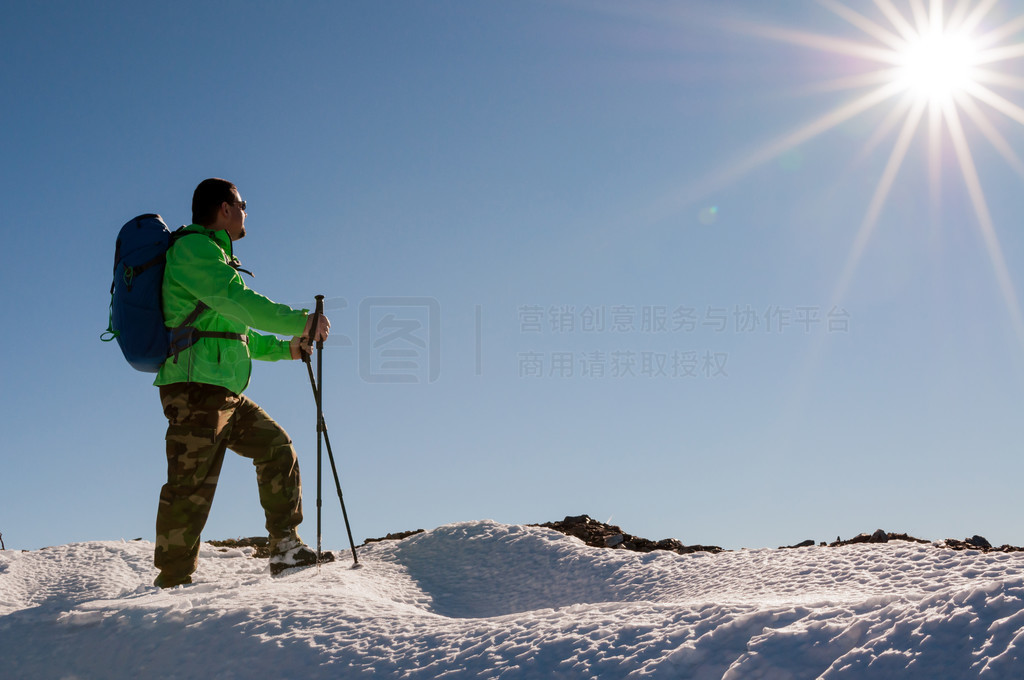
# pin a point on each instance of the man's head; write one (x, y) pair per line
(216, 204)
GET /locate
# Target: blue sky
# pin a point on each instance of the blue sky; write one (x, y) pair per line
(630, 296)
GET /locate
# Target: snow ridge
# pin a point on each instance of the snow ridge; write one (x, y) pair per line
(488, 600)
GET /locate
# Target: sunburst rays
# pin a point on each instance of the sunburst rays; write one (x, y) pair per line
(939, 69)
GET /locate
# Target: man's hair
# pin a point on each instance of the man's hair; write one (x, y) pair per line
(207, 199)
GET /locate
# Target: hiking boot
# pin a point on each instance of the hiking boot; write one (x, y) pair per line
(165, 580)
(291, 552)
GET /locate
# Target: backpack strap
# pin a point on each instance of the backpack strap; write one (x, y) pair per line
(180, 232)
(185, 335)
(131, 272)
(237, 266)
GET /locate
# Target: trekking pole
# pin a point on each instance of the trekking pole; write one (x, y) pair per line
(322, 430)
(319, 419)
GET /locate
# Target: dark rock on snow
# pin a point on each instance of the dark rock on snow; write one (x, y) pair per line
(879, 536)
(260, 545)
(394, 537)
(601, 535)
(978, 543)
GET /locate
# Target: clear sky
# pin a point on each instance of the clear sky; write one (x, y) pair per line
(721, 271)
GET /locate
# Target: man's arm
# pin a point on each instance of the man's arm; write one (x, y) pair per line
(199, 267)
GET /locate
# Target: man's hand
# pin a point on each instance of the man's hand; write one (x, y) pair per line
(300, 345)
(322, 330)
(303, 344)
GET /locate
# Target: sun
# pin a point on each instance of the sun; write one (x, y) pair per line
(943, 68)
(938, 64)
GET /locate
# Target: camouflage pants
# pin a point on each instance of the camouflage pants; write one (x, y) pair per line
(204, 421)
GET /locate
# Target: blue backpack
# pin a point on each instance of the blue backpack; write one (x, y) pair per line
(136, 314)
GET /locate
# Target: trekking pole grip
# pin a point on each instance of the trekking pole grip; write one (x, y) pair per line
(317, 313)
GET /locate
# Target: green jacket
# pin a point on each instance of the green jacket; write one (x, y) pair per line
(201, 269)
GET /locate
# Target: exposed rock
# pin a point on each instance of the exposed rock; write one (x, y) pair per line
(670, 544)
(879, 536)
(601, 535)
(803, 544)
(978, 543)
(394, 537)
(259, 544)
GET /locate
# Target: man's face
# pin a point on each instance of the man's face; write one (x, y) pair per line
(236, 218)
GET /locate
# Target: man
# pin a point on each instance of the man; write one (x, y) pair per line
(201, 388)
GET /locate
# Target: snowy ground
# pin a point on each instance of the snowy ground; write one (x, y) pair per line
(487, 600)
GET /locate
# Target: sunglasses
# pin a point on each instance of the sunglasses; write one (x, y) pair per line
(241, 204)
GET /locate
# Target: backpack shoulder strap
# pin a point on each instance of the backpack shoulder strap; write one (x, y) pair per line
(184, 335)
(234, 262)
(181, 233)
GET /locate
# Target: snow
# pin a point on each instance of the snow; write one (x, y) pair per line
(488, 600)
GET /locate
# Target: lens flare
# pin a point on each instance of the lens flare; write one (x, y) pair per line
(938, 64)
(939, 71)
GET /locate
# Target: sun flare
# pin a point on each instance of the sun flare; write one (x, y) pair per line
(938, 64)
(944, 67)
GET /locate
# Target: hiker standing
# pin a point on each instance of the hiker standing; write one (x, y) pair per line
(201, 388)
